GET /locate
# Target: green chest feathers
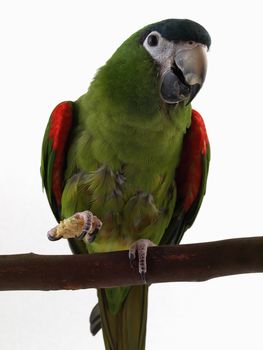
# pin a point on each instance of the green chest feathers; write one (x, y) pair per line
(124, 173)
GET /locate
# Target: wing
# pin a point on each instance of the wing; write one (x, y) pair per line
(54, 152)
(191, 177)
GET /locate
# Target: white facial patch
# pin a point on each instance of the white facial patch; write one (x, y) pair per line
(161, 50)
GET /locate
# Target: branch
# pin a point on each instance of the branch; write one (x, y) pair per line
(190, 262)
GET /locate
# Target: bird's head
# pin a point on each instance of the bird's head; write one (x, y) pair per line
(163, 63)
(178, 47)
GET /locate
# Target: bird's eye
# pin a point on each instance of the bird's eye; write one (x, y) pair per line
(152, 40)
(191, 44)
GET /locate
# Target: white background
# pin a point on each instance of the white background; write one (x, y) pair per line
(49, 53)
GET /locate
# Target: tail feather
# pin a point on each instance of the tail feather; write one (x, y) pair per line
(127, 329)
(95, 320)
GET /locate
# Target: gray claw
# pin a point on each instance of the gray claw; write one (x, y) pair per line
(143, 276)
(93, 235)
(131, 257)
(53, 238)
(82, 235)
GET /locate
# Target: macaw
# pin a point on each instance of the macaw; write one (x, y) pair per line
(132, 153)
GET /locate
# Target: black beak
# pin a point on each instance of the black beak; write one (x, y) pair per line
(194, 89)
(183, 80)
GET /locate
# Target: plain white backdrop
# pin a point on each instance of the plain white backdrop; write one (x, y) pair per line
(49, 53)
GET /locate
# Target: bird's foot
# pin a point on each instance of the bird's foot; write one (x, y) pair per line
(82, 225)
(140, 248)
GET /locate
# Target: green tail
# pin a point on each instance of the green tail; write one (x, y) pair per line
(127, 329)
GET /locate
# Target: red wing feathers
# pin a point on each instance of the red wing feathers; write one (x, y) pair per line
(54, 152)
(190, 171)
(191, 177)
(60, 126)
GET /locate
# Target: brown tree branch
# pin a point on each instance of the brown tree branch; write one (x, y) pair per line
(190, 262)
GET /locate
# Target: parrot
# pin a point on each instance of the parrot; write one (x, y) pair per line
(128, 162)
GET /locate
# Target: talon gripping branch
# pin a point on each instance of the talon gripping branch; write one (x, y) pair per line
(132, 152)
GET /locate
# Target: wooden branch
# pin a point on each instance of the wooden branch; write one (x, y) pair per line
(190, 262)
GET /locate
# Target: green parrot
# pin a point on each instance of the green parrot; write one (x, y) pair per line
(133, 153)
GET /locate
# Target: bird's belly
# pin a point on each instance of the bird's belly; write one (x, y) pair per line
(131, 206)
